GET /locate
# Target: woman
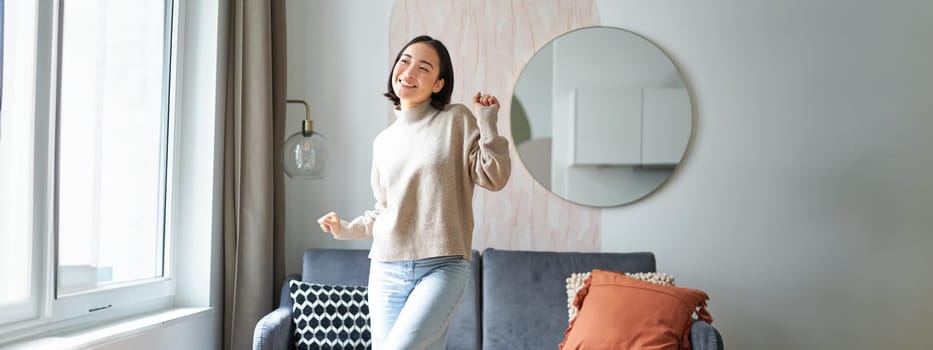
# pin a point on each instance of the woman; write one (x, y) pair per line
(425, 166)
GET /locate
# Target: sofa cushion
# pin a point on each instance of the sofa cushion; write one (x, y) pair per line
(351, 267)
(329, 317)
(621, 312)
(577, 279)
(524, 293)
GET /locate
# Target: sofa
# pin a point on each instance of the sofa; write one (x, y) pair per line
(515, 300)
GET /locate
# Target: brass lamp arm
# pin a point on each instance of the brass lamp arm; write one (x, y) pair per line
(307, 125)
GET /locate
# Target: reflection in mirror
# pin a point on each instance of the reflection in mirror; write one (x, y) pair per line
(601, 116)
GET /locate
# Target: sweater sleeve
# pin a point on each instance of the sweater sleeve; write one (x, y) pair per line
(489, 161)
(362, 226)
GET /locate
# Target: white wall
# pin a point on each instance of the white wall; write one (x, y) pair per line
(803, 206)
(337, 61)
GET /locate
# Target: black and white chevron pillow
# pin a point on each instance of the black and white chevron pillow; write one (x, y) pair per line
(330, 317)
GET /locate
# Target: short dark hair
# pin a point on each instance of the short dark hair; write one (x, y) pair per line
(440, 98)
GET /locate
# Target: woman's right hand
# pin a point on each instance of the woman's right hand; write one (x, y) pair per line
(330, 223)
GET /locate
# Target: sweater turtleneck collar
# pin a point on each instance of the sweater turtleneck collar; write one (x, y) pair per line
(415, 114)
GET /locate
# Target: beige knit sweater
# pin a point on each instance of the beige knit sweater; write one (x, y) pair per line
(425, 166)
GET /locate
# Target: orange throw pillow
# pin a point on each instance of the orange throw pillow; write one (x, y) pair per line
(621, 312)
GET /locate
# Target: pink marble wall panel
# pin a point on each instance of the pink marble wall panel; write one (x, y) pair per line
(490, 42)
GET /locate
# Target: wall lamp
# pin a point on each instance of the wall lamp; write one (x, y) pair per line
(305, 153)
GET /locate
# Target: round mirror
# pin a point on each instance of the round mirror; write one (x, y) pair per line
(601, 116)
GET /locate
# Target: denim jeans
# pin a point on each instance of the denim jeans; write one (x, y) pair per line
(412, 302)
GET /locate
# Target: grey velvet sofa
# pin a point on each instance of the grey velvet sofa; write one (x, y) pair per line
(516, 299)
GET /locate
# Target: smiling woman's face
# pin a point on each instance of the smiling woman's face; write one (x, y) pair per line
(415, 75)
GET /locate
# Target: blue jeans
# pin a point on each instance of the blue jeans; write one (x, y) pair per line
(412, 302)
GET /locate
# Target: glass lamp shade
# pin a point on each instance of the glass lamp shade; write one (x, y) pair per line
(305, 156)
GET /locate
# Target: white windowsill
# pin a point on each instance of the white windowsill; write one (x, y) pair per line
(109, 332)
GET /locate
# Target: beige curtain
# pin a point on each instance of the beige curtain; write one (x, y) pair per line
(253, 180)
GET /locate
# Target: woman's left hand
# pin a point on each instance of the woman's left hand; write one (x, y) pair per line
(484, 100)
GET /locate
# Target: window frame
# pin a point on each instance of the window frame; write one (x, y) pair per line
(51, 312)
(82, 300)
(1, 53)
(29, 314)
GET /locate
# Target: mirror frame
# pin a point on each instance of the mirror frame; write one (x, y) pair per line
(672, 169)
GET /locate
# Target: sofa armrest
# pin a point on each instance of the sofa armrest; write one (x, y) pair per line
(704, 337)
(274, 330)
(285, 298)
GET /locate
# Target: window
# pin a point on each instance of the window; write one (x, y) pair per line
(18, 268)
(111, 140)
(85, 153)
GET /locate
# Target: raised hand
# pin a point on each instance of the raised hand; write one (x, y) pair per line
(485, 100)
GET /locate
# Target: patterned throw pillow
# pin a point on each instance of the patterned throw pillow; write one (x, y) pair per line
(330, 317)
(576, 281)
